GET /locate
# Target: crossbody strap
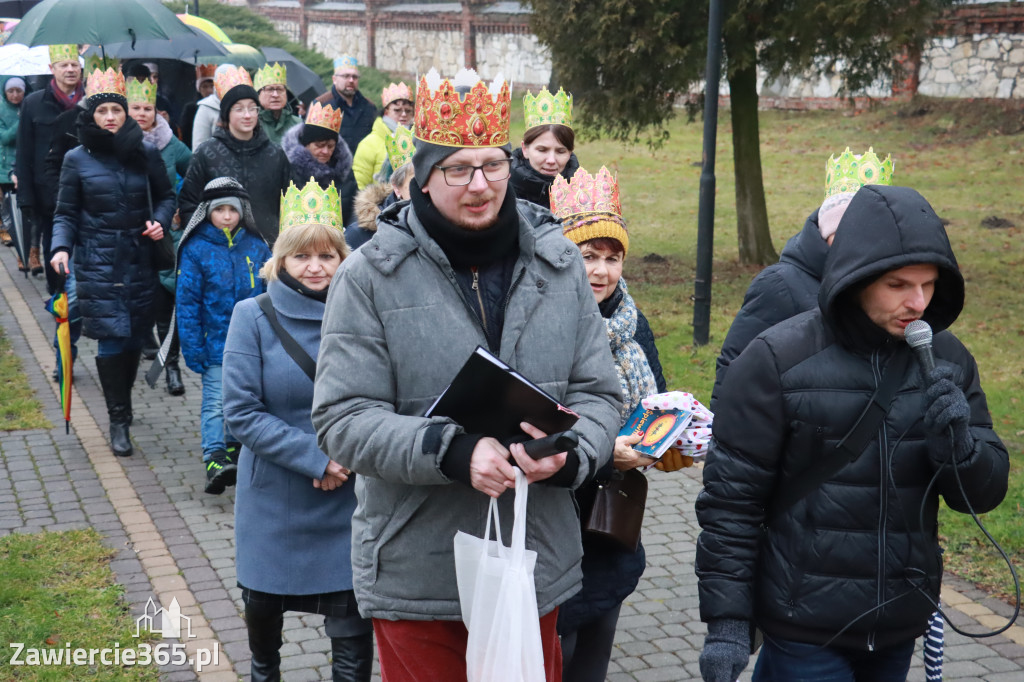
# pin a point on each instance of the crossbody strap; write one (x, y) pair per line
(853, 443)
(291, 346)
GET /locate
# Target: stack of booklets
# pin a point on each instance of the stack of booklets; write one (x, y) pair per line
(670, 420)
(694, 439)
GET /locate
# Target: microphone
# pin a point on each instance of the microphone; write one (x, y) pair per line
(919, 337)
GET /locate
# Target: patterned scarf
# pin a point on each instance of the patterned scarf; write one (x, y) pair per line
(635, 376)
(67, 102)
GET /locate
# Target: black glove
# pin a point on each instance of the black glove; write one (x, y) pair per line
(726, 650)
(948, 409)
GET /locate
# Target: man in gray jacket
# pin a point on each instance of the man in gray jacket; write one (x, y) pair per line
(461, 264)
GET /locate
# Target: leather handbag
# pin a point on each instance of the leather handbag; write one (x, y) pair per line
(618, 510)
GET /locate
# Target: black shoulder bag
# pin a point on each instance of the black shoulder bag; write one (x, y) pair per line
(291, 346)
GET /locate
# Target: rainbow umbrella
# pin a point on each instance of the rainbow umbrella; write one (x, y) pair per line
(57, 306)
(207, 26)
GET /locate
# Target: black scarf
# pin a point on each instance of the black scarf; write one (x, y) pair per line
(296, 285)
(468, 248)
(125, 145)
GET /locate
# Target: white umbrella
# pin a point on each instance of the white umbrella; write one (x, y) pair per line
(19, 60)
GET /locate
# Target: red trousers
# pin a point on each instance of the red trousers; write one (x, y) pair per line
(435, 650)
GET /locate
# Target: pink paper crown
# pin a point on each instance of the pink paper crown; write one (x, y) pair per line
(586, 193)
(109, 81)
(395, 91)
(324, 116)
(229, 78)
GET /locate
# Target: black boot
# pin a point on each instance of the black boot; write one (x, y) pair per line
(264, 625)
(150, 346)
(174, 385)
(352, 658)
(118, 395)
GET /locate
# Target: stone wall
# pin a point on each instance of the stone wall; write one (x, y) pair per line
(519, 57)
(334, 40)
(973, 66)
(413, 52)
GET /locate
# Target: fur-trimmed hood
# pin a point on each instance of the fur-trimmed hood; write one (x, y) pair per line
(368, 204)
(304, 166)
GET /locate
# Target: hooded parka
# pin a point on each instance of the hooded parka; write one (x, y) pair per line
(532, 185)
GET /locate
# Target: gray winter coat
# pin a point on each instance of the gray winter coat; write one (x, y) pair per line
(396, 331)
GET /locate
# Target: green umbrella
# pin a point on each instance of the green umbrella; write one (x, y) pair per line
(96, 22)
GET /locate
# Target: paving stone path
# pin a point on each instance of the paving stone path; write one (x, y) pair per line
(175, 542)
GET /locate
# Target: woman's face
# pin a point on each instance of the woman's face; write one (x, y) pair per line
(604, 269)
(143, 113)
(546, 154)
(322, 150)
(400, 110)
(15, 95)
(110, 116)
(243, 118)
(313, 267)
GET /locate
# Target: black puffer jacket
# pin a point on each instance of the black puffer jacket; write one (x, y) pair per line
(533, 185)
(258, 164)
(849, 556)
(779, 292)
(102, 211)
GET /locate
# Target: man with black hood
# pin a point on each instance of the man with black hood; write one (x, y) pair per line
(842, 579)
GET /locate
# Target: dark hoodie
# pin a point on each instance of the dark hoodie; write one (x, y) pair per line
(847, 564)
(531, 184)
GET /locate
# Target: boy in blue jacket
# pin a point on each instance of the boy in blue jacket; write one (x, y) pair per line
(219, 258)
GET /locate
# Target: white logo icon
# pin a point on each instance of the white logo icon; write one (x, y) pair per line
(164, 622)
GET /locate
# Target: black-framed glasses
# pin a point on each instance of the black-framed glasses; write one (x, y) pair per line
(458, 176)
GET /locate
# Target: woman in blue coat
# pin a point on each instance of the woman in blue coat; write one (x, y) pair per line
(293, 504)
(113, 202)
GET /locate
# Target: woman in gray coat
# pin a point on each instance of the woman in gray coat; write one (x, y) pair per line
(293, 506)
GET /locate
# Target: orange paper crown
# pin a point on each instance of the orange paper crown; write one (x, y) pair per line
(229, 78)
(477, 118)
(108, 82)
(324, 116)
(589, 207)
(395, 91)
(204, 71)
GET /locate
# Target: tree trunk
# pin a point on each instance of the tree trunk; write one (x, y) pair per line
(755, 239)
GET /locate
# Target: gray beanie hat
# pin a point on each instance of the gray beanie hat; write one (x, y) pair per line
(226, 201)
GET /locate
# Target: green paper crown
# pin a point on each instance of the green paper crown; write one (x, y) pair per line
(271, 74)
(851, 171)
(140, 92)
(311, 205)
(545, 108)
(63, 53)
(400, 147)
(94, 62)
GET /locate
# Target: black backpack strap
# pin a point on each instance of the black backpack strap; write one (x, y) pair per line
(853, 443)
(291, 346)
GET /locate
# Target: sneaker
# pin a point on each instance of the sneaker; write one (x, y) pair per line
(220, 473)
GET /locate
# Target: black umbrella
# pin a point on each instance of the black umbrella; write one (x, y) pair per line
(16, 8)
(304, 83)
(20, 233)
(194, 48)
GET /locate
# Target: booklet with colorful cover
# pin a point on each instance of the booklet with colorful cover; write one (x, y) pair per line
(660, 429)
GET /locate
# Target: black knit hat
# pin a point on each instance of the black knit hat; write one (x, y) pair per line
(315, 133)
(93, 102)
(233, 96)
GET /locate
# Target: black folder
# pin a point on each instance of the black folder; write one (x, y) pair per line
(490, 398)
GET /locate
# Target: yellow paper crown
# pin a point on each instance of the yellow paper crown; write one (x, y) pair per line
(63, 53)
(395, 91)
(140, 92)
(851, 171)
(104, 82)
(311, 205)
(546, 109)
(95, 61)
(271, 74)
(400, 147)
(324, 116)
(589, 207)
(478, 117)
(229, 78)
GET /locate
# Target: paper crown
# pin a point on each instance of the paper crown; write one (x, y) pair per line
(324, 116)
(345, 60)
(400, 147)
(271, 74)
(589, 207)
(851, 171)
(204, 71)
(140, 92)
(311, 205)
(395, 91)
(109, 82)
(547, 109)
(63, 53)
(95, 61)
(229, 78)
(476, 118)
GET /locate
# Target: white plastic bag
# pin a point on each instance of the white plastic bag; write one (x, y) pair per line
(498, 600)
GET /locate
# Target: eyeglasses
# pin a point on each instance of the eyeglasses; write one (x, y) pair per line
(274, 90)
(347, 76)
(461, 175)
(245, 110)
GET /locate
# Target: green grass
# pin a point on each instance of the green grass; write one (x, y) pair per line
(966, 158)
(19, 408)
(58, 589)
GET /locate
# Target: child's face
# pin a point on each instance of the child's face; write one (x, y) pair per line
(224, 217)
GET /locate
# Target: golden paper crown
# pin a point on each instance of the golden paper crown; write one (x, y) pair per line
(547, 109)
(271, 74)
(311, 205)
(63, 53)
(140, 92)
(105, 82)
(229, 78)
(400, 147)
(324, 116)
(477, 118)
(395, 91)
(95, 61)
(589, 207)
(851, 171)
